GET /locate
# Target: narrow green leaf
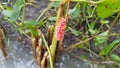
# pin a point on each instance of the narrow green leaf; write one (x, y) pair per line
(107, 49)
(7, 13)
(104, 22)
(16, 10)
(30, 27)
(52, 18)
(92, 31)
(81, 46)
(56, 4)
(33, 30)
(75, 32)
(101, 38)
(92, 25)
(72, 11)
(75, 11)
(115, 57)
(31, 22)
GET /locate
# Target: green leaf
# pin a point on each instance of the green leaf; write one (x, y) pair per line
(104, 12)
(41, 23)
(31, 25)
(104, 22)
(56, 4)
(83, 56)
(75, 11)
(81, 46)
(31, 22)
(92, 31)
(72, 10)
(33, 30)
(52, 18)
(107, 8)
(75, 32)
(7, 13)
(115, 57)
(92, 25)
(101, 38)
(16, 10)
(107, 49)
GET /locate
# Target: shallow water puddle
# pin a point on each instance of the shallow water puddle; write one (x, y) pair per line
(68, 61)
(21, 56)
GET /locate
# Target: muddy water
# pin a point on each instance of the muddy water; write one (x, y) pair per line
(66, 60)
(21, 56)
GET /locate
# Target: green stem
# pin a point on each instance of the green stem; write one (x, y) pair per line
(93, 11)
(81, 42)
(99, 28)
(54, 41)
(115, 48)
(46, 44)
(114, 22)
(59, 15)
(49, 6)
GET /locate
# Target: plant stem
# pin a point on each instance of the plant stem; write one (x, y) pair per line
(23, 13)
(114, 22)
(60, 42)
(92, 52)
(2, 45)
(115, 48)
(59, 15)
(49, 6)
(54, 41)
(46, 44)
(93, 11)
(68, 5)
(81, 42)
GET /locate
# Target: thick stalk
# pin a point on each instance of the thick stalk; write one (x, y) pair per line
(60, 42)
(54, 41)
